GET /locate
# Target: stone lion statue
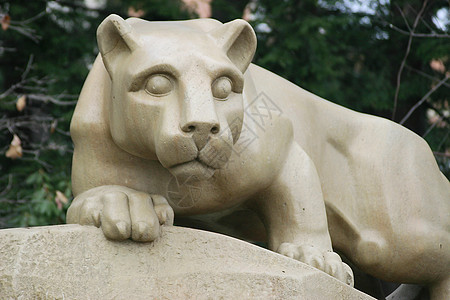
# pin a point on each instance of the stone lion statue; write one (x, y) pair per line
(173, 117)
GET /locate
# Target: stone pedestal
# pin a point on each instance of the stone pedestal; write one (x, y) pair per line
(76, 262)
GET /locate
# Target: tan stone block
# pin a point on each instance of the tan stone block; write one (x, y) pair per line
(78, 262)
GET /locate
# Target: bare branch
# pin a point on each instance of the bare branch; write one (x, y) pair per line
(10, 201)
(443, 119)
(22, 27)
(426, 75)
(403, 16)
(9, 90)
(441, 154)
(26, 31)
(25, 120)
(432, 126)
(28, 67)
(443, 140)
(424, 98)
(8, 186)
(408, 49)
(399, 76)
(50, 98)
(442, 114)
(419, 35)
(23, 79)
(37, 88)
(6, 49)
(27, 21)
(36, 158)
(425, 23)
(66, 133)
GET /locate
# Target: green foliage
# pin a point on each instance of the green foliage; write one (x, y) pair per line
(39, 206)
(327, 51)
(228, 10)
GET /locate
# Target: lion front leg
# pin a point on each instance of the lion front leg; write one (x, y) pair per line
(293, 211)
(121, 212)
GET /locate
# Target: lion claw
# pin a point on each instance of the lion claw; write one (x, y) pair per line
(326, 261)
(122, 212)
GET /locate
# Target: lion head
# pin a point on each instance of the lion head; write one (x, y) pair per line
(177, 89)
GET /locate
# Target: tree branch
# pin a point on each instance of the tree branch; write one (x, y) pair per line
(424, 98)
(52, 99)
(404, 17)
(447, 155)
(8, 186)
(27, 21)
(432, 126)
(27, 68)
(419, 35)
(402, 65)
(26, 31)
(426, 75)
(443, 140)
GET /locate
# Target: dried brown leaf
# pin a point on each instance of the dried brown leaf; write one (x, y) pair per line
(201, 7)
(15, 148)
(60, 199)
(132, 12)
(437, 65)
(5, 21)
(21, 103)
(247, 13)
(53, 126)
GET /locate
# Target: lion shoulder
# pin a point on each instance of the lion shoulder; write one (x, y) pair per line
(90, 115)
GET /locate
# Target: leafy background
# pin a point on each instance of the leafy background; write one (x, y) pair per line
(378, 57)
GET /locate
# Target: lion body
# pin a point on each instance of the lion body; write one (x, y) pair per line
(387, 204)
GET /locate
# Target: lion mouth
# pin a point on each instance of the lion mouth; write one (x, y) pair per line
(192, 170)
(196, 160)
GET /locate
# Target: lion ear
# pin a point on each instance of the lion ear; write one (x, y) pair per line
(115, 37)
(238, 40)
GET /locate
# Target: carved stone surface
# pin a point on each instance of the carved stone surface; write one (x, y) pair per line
(75, 262)
(174, 116)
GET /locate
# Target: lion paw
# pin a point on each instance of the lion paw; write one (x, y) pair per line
(326, 261)
(121, 212)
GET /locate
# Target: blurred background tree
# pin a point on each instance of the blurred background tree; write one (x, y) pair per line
(388, 58)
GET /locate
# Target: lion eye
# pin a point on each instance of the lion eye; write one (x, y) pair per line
(221, 88)
(158, 85)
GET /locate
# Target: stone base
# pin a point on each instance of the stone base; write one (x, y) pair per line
(77, 262)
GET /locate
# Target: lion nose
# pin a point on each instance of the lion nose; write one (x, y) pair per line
(201, 131)
(201, 128)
